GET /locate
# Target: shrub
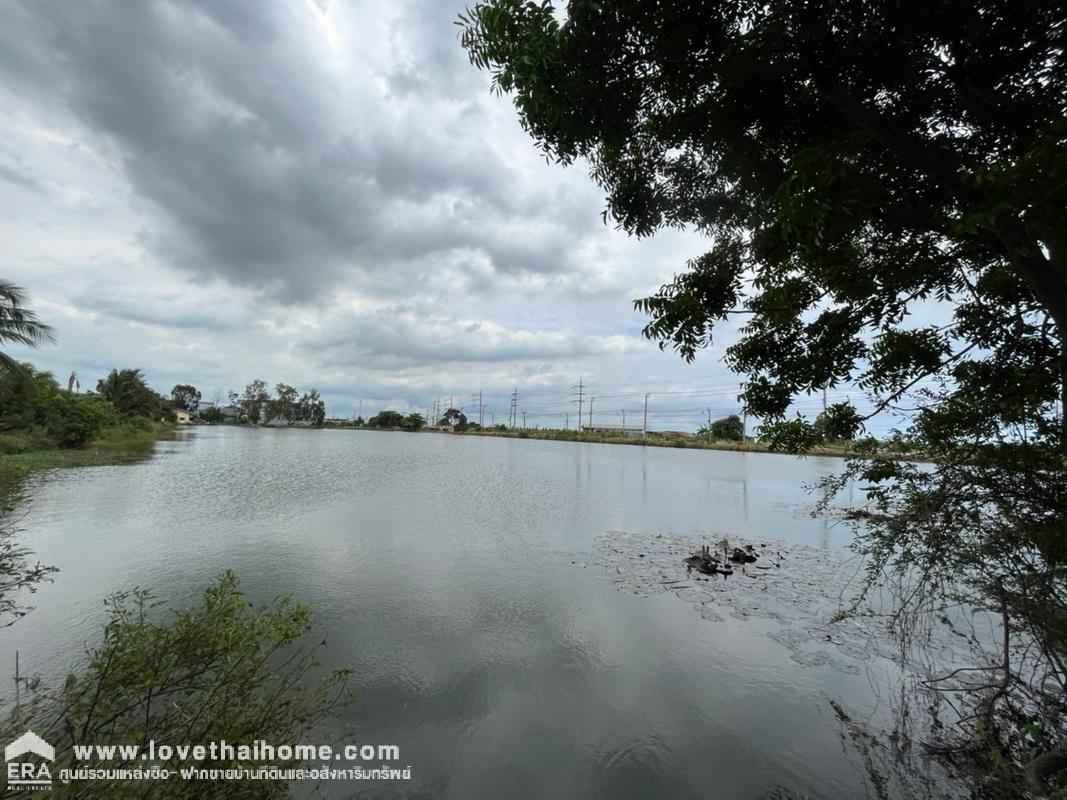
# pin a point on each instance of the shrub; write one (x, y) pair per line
(192, 676)
(78, 419)
(33, 406)
(19, 442)
(143, 423)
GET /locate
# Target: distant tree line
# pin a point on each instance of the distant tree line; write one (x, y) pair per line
(453, 419)
(256, 405)
(395, 420)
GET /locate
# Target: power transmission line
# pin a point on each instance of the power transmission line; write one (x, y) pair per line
(579, 388)
(481, 408)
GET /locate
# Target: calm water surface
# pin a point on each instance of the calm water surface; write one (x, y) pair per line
(442, 570)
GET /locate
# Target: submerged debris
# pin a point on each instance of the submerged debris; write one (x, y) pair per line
(856, 513)
(802, 591)
(705, 562)
(743, 555)
(805, 599)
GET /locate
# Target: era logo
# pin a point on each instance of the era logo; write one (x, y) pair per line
(26, 774)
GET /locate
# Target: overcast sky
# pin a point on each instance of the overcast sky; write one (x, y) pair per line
(325, 194)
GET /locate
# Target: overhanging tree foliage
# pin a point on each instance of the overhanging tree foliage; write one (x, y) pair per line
(18, 324)
(848, 162)
(839, 422)
(884, 192)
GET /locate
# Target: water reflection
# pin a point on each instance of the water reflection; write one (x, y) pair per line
(439, 569)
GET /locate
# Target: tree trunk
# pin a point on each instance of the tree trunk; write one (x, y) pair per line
(1041, 768)
(1046, 275)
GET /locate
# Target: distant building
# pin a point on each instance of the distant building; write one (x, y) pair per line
(183, 416)
(677, 434)
(202, 406)
(625, 430)
(230, 412)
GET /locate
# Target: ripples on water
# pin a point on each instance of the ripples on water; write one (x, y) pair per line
(809, 600)
(440, 569)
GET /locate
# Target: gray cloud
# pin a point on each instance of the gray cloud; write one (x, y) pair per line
(398, 336)
(20, 177)
(275, 170)
(166, 309)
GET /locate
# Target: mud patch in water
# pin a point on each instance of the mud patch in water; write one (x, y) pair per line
(794, 594)
(801, 588)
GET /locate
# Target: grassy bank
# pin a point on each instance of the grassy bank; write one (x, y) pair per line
(119, 444)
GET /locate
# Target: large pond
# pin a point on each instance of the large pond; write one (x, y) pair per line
(464, 581)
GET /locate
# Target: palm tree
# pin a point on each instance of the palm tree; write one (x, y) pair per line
(18, 324)
(129, 393)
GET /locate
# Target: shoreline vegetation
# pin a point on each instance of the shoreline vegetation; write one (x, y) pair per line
(653, 439)
(45, 426)
(836, 428)
(696, 441)
(122, 444)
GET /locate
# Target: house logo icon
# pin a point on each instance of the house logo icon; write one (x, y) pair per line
(23, 774)
(29, 742)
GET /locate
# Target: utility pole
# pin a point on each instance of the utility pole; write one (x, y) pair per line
(824, 399)
(524, 420)
(579, 389)
(514, 413)
(481, 408)
(644, 422)
(708, 410)
(622, 413)
(591, 399)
